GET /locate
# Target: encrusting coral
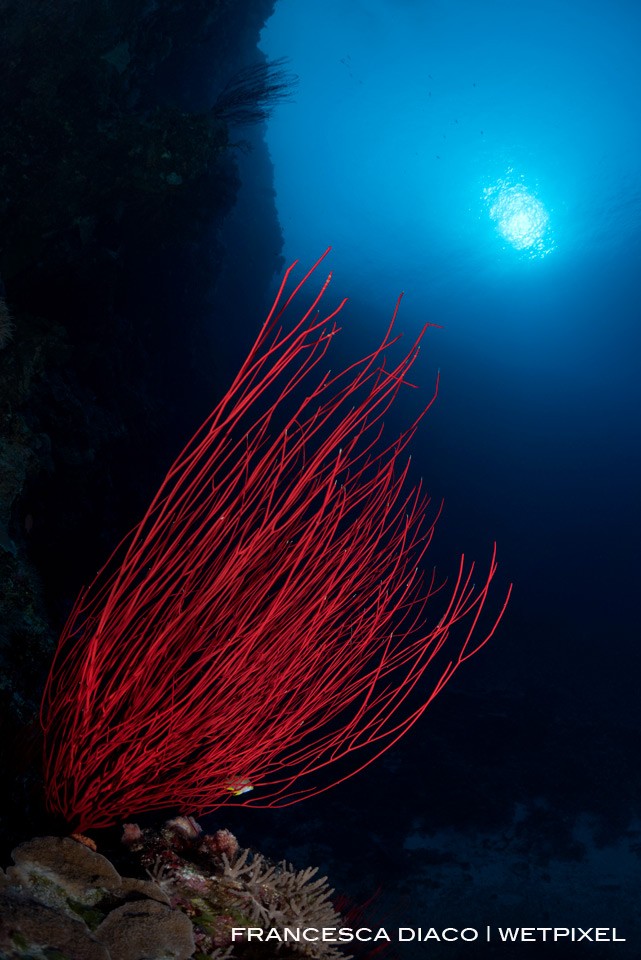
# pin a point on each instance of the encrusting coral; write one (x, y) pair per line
(63, 900)
(63, 896)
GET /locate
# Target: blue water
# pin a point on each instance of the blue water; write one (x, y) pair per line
(411, 122)
(485, 159)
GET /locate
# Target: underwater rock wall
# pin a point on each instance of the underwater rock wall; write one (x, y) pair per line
(116, 181)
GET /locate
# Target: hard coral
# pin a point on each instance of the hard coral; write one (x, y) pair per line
(219, 844)
(62, 896)
(220, 886)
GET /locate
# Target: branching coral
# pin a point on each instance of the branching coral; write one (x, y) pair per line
(266, 618)
(220, 892)
(277, 895)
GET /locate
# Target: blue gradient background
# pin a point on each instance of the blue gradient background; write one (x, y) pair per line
(405, 113)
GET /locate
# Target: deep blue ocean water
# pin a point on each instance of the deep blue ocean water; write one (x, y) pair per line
(484, 158)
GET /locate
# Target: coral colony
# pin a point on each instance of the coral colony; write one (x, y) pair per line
(266, 616)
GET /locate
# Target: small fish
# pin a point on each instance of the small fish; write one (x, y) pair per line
(238, 787)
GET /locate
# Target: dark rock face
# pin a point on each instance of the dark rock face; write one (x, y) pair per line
(116, 180)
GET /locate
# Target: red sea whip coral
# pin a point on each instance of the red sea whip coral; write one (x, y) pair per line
(266, 617)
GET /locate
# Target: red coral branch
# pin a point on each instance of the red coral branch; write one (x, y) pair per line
(266, 616)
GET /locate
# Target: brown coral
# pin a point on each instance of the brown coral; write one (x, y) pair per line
(220, 886)
(136, 931)
(278, 895)
(223, 842)
(63, 896)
